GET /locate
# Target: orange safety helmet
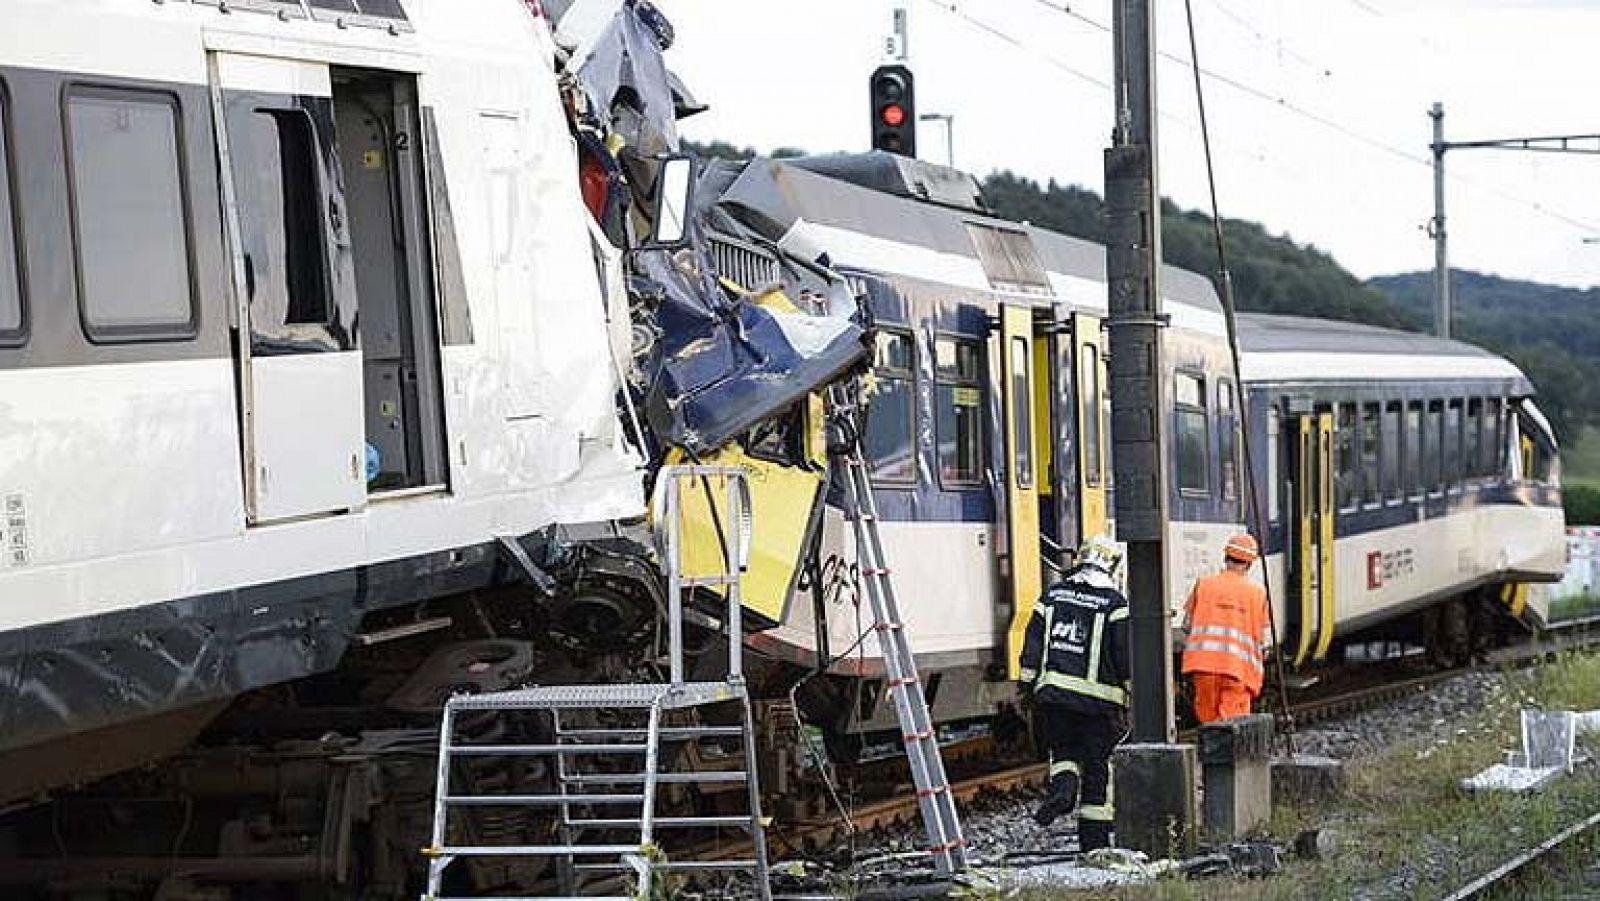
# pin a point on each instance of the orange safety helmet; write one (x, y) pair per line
(1242, 548)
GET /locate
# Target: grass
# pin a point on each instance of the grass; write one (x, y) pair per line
(1406, 829)
(1573, 606)
(1580, 459)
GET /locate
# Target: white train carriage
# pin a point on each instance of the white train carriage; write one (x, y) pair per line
(299, 315)
(1411, 486)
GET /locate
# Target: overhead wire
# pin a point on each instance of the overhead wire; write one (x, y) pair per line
(1284, 103)
(1230, 316)
(954, 9)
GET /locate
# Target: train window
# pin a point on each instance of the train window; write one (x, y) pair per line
(13, 324)
(1347, 468)
(1022, 411)
(1228, 439)
(1093, 437)
(128, 214)
(1371, 454)
(890, 413)
(1493, 437)
(1432, 456)
(1393, 487)
(1189, 400)
(958, 405)
(1413, 479)
(1472, 440)
(286, 269)
(1450, 443)
(1273, 451)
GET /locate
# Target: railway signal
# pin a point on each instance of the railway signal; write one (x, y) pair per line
(894, 110)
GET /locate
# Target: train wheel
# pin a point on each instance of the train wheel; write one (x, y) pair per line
(1448, 629)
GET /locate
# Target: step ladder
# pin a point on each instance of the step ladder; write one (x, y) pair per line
(946, 844)
(605, 772)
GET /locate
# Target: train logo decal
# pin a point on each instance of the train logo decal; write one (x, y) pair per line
(1384, 567)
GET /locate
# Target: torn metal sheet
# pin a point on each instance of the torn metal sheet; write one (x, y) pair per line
(725, 362)
(625, 78)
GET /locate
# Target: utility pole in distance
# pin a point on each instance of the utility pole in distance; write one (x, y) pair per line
(1588, 145)
(1441, 246)
(1133, 276)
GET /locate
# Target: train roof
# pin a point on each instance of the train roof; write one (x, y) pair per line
(879, 213)
(1297, 348)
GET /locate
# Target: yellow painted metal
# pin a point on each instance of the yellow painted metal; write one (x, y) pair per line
(1304, 545)
(1024, 580)
(782, 502)
(1326, 507)
(1515, 596)
(1094, 516)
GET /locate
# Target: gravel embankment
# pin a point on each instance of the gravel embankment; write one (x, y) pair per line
(1435, 713)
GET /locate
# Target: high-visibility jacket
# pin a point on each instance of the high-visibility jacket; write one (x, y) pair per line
(1075, 652)
(1227, 619)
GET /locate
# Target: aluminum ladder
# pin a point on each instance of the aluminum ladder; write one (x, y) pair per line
(942, 821)
(608, 781)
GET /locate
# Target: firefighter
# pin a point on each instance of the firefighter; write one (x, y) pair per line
(1226, 635)
(1075, 664)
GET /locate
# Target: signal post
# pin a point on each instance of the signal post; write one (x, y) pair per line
(1155, 779)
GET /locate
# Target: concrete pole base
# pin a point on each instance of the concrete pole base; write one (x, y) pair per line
(1157, 809)
(1307, 779)
(1234, 759)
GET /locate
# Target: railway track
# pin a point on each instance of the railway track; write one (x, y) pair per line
(1502, 875)
(899, 812)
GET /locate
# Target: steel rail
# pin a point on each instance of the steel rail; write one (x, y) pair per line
(1504, 871)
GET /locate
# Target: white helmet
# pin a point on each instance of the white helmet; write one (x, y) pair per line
(1100, 552)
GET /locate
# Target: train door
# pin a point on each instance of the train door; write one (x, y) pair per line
(1311, 497)
(298, 367)
(380, 151)
(1094, 516)
(1022, 498)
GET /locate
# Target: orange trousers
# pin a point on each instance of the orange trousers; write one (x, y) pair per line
(1217, 697)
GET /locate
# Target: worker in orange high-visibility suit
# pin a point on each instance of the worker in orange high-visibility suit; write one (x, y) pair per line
(1226, 622)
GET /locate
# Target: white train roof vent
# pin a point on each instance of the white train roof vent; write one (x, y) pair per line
(386, 14)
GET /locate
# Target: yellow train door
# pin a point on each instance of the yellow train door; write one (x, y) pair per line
(1023, 578)
(1313, 537)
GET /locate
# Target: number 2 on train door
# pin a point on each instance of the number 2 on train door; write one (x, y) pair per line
(1022, 499)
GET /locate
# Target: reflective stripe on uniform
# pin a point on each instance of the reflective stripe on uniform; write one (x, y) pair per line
(1100, 813)
(1224, 647)
(1057, 767)
(1097, 629)
(1238, 635)
(1103, 813)
(1118, 614)
(1082, 686)
(1028, 674)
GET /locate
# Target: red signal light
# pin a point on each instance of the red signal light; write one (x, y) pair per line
(894, 115)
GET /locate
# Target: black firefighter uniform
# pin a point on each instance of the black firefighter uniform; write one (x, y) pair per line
(1075, 660)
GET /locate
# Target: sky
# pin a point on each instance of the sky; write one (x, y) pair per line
(1318, 108)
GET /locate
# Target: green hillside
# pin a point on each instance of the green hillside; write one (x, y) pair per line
(1552, 332)
(1271, 273)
